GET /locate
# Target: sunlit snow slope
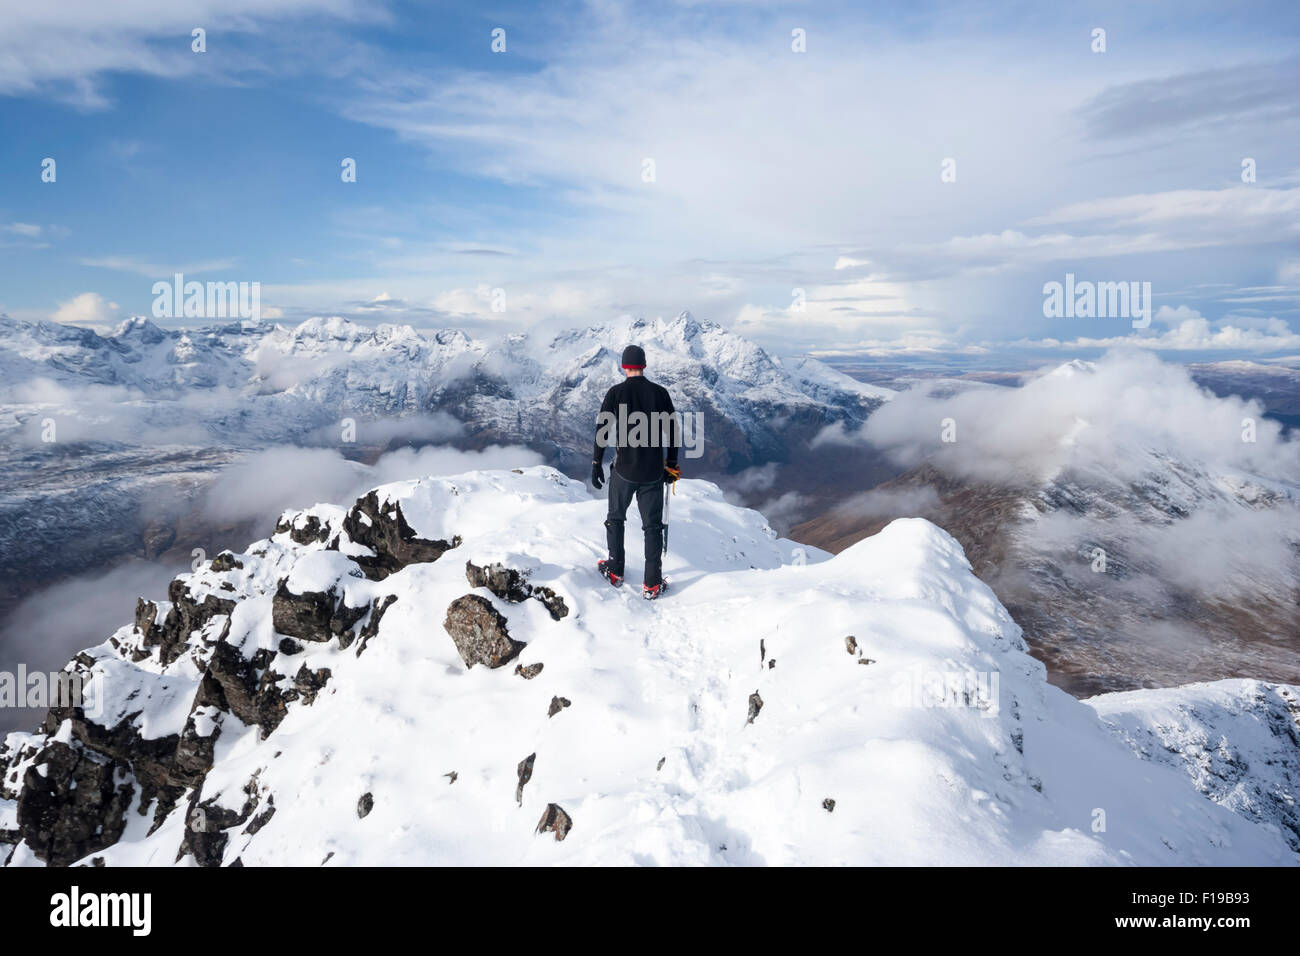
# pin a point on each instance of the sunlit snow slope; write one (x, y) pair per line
(305, 703)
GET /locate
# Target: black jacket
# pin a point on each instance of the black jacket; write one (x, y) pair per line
(643, 447)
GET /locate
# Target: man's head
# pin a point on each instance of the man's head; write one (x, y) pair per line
(633, 360)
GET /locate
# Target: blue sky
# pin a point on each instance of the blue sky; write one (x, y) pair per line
(774, 170)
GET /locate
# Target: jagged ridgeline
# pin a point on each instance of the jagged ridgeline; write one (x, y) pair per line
(90, 762)
(437, 674)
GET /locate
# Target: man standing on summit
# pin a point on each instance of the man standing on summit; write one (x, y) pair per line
(637, 417)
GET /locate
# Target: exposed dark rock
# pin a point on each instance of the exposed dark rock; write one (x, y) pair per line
(828, 805)
(755, 705)
(529, 672)
(771, 663)
(207, 825)
(225, 561)
(308, 683)
(479, 632)
(525, 772)
(451, 777)
(246, 687)
(365, 805)
(146, 612)
(289, 647)
(551, 601)
(660, 765)
(194, 750)
(512, 585)
(303, 529)
(185, 617)
(371, 627)
(557, 704)
(866, 660)
(506, 583)
(262, 819)
(383, 529)
(851, 644)
(73, 802)
(164, 767)
(313, 615)
(555, 819)
(762, 650)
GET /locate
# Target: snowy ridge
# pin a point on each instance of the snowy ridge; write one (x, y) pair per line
(1238, 740)
(779, 706)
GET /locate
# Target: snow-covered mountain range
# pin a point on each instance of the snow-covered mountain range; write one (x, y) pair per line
(109, 440)
(436, 674)
(255, 382)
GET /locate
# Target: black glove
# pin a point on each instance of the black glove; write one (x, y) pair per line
(671, 472)
(597, 474)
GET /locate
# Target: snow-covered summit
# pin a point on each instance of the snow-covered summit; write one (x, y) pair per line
(436, 674)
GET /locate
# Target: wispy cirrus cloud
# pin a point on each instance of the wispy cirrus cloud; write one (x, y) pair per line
(156, 270)
(64, 50)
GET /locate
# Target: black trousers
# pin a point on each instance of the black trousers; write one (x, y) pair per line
(650, 502)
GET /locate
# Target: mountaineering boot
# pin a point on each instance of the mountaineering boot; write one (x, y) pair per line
(652, 591)
(604, 568)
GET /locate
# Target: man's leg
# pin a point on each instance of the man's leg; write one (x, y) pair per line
(650, 501)
(620, 496)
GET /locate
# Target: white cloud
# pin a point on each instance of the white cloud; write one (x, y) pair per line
(1184, 501)
(1189, 331)
(65, 49)
(157, 271)
(89, 307)
(1113, 414)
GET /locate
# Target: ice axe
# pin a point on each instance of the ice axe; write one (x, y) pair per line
(674, 474)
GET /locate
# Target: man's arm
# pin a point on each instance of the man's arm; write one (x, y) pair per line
(606, 408)
(674, 432)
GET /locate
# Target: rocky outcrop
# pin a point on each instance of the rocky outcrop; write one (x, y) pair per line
(73, 802)
(185, 616)
(371, 627)
(511, 584)
(226, 561)
(208, 822)
(479, 632)
(304, 529)
(312, 616)
(246, 687)
(383, 529)
(506, 583)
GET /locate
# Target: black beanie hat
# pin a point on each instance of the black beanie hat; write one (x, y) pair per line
(633, 357)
